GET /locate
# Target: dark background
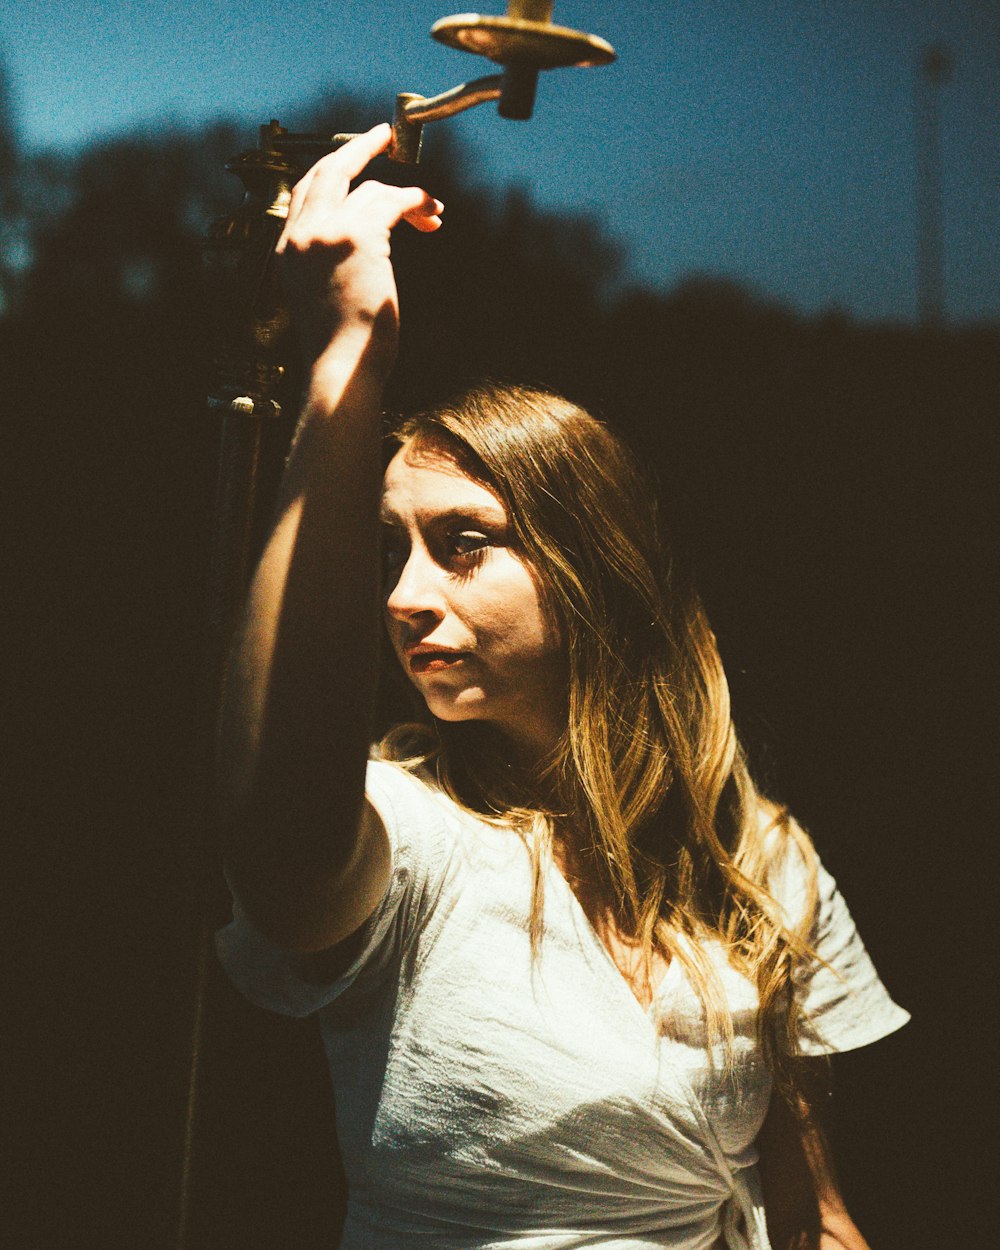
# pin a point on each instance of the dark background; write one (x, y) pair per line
(830, 480)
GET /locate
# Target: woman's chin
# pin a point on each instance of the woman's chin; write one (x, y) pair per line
(449, 712)
(455, 709)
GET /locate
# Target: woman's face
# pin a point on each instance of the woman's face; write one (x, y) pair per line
(462, 606)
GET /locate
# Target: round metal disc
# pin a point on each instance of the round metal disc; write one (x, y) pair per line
(505, 39)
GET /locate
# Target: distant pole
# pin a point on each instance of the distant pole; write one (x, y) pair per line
(934, 70)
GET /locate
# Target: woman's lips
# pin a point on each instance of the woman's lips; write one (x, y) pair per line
(434, 661)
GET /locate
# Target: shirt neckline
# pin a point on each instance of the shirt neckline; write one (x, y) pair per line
(648, 1013)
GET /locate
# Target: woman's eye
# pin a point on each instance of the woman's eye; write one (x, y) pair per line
(468, 543)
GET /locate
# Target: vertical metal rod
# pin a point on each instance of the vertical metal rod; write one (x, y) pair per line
(238, 505)
(531, 10)
(520, 78)
(249, 379)
(193, 1104)
(934, 69)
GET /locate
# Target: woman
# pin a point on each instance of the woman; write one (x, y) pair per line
(569, 967)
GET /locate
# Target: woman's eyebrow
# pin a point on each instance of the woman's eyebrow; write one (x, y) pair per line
(493, 514)
(483, 513)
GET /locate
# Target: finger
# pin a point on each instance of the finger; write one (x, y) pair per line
(296, 204)
(386, 206)
(426, 217)
(356, 154)
(335, 171)
(299, 192)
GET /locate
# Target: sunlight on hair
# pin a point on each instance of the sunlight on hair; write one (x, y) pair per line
(647, 789)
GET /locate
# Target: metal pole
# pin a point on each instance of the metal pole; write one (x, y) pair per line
(934, 70)
(247, 393)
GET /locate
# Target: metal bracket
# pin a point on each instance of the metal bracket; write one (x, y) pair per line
(239, 246)
(524, 42)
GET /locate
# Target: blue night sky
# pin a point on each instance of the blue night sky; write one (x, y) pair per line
(771, 142)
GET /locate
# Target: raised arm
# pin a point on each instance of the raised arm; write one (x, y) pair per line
(305, 854)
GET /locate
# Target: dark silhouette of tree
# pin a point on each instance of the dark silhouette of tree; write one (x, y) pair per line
(828, 480)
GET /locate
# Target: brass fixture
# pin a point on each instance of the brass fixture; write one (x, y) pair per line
(524, 42)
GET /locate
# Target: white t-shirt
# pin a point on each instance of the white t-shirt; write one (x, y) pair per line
(487, 1100)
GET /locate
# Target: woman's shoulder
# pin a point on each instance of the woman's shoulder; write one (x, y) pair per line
(404, 791)
(787, 864)
(843, 1004)
(421, 816)
(412, 801)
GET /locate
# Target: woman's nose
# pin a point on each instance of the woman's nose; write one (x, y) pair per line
(417, 589)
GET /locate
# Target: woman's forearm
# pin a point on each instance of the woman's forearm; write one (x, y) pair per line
(802, 1198)
(307, 857)
(840, 1232)
(297, 714)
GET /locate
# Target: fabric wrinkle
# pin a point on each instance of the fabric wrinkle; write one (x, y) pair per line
(489, 1099)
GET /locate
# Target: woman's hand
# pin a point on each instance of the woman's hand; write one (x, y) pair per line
(335, 253)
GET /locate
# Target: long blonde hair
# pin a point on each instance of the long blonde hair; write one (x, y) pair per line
(648, 780)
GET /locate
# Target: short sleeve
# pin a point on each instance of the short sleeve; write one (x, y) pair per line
(843, 1003)
(280, 980)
